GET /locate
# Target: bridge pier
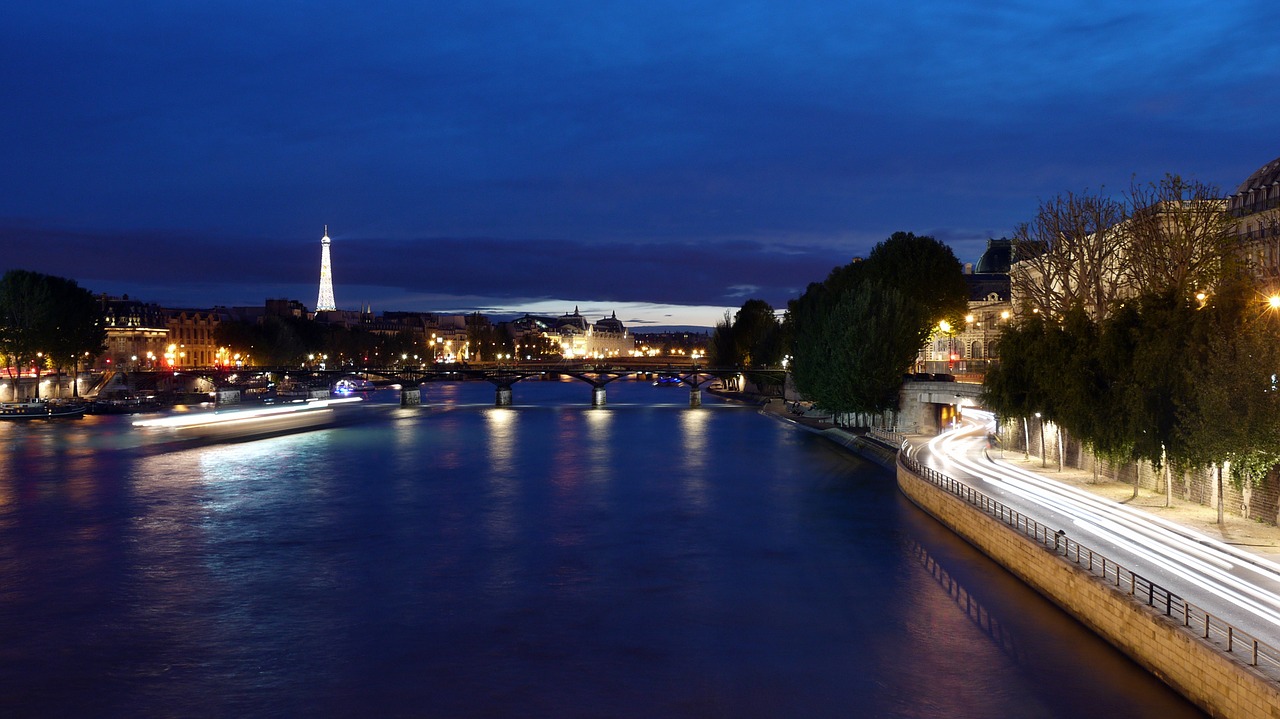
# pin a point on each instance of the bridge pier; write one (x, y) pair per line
(695, 397)
(597, 397)
(504, 397)
(410, 396)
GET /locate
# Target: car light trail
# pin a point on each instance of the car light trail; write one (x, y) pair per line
(1236, 578)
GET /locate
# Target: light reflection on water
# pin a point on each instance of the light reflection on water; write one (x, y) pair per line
(693, 454)
(549, 559)
(501, 515)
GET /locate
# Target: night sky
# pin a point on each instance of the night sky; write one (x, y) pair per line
(666, 160)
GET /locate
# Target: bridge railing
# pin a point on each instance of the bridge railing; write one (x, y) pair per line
(1216, 630)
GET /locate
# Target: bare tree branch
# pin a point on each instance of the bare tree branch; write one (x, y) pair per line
(1182, 238)
(1071, 254)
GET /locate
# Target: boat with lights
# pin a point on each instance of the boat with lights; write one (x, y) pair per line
(40, 409)
(253, 423)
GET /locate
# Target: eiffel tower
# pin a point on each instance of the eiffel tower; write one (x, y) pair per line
(325, 302)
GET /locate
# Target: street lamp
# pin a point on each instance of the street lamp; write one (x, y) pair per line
(945, 327)
(1042, 450)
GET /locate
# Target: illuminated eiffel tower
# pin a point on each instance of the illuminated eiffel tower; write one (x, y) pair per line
(325, 302)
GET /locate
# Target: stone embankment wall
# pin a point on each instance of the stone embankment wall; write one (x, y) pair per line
(1260, 502)
(1211, 679)
(51, 387)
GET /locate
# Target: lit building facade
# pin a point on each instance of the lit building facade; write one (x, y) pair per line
(191, 340)
(574, 336)
(968, 349)
(1256, 209)
(137, 335)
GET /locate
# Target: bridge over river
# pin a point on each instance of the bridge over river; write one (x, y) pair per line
(505, 376)
(924, 406)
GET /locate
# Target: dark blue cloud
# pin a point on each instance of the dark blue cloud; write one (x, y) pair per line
(595, 126)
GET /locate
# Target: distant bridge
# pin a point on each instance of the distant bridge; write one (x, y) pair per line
(504, 376)
(923, 407)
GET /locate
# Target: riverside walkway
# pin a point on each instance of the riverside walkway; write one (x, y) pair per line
(1248, 535)
(1226, 580)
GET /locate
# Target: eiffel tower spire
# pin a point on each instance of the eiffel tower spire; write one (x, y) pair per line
(325, 301)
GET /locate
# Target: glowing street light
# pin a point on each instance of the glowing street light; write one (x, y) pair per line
(1042, 450)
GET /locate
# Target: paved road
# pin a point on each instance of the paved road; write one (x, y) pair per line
(1240, 587)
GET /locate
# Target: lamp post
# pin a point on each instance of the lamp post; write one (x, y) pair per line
(1040, 421)
(945, 328)
(970, 324)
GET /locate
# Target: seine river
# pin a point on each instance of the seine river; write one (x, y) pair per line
(544, 560)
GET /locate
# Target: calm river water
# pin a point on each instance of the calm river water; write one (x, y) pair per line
(543, 560)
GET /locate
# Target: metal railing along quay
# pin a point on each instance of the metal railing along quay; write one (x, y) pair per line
(1217, 631)
(887, 437)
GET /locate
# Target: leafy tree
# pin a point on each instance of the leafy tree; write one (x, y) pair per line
(26, 304)
(275, 341)
(1231, 412)
(852, 357)
(925, 271)
(855, 334)
(756, 335)
(1013, 387)
(46, 315)
(77, 333)
(283, 343)
(1161, 375)
(1109, 371)
(752, 337)
(486, 340)
(722, 350)
(241, 338)
(821, 336)
(888, 330)
(1072, 371)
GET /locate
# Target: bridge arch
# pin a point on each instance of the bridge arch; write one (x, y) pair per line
(926, 407)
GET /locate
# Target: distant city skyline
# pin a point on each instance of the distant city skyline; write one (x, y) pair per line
(669, 158)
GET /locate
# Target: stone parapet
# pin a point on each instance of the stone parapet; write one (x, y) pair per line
(1215, 681)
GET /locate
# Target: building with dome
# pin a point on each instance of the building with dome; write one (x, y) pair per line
(574, 335)
(967, 350)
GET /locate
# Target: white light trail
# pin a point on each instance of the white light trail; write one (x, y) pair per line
(205, 419)
(1188, 556)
